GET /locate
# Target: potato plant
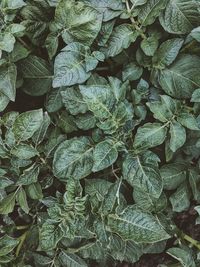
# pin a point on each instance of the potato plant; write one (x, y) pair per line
(99, 132)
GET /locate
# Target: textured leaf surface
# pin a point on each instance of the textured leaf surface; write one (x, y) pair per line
(73, 158)
(27, 124)
(180, 16)
(137, 225)
(78, 22)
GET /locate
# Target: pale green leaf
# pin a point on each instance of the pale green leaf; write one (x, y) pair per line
(150, 11)
(182, 77)
(8, 75)
(105, 154)
(143, 176)
(116, 44)
(180, 16)
(73, 159)
(173, 175)
(178, 135)
(136, 225)
(77, 22)
(150, 135)
(27, 124)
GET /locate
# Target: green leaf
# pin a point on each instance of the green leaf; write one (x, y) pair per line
(54, 100)
(142, 175)
(183, 255)
(85, 121)
(71, 260)
(138, 3)
(194, 179)
(73, 65)
(34, 191)
(8, 75)
(167, 52)
(178, 135)
(7, 41)
(99, 99)
(22, 200)
(116, 44)
(7, 244)
(148, 202)
(173, 175)
(121, 250)
(30, 175)
(196, 96)
(15, 4)
(149, 45)
(165, 109)
(181, 78)
(195, 33)
(188, 120)
(136, 225)
(73, 159)
(66, 123)
(105, 154)
(180, 16)
(27, 124)
(132, 72)
(37, 75)
(40, 134)
(150, 11)
(110, 9)
(4, 100)
(24, 151)
(180, 200)
(73, 101)
(51, 44)
(77, 22)
(150, 135)
(7, 204)
(50, 235)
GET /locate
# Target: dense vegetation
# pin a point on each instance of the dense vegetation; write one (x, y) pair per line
(100, 132)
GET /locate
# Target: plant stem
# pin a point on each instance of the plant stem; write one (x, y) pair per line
(129, 10)
(192, 241)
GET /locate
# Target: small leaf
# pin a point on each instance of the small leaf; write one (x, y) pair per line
(24, 151)
(77, 22)
(188, 120)
(150, 135)
(116, 44)
(37, 75)
(131, 72)
(105, 154)
(196, 96)
(178, 135)
(22, 200)
(71, 260)
(173, 175)
(7, 244)
(180, 200)
(27, 124)
(149, 45)
(73, 158)
(71, 66)
(50, 235)
(167, 52)
(7, 204)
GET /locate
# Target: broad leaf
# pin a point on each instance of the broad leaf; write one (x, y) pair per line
(73, 159)
(136, 225)
(27, 124)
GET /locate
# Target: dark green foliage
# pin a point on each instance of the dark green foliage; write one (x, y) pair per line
(99, 131)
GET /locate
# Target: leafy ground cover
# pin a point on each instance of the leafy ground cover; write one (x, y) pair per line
(100, 133)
